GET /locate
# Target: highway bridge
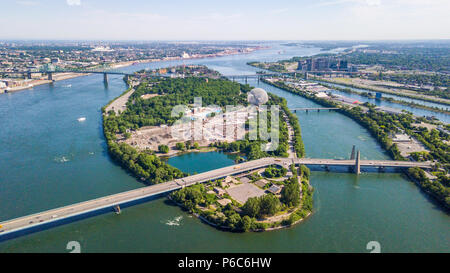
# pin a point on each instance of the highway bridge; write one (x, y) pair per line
(28, 74)
(59, 216)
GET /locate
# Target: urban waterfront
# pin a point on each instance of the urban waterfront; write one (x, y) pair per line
(49, 159)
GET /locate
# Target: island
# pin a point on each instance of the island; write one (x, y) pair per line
(142, 131)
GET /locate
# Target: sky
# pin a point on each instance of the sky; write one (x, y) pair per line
(224, 20)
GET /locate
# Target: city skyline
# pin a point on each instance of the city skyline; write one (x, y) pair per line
(233, 20)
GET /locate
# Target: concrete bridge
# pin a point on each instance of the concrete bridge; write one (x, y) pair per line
(59, 216)
(106, 72)
(50, 73)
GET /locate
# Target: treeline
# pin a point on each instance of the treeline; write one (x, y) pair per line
(146, 167)
(380, 125)
(252, 149)
(433, 141)
(439, 189)
(157, 110)
(390, 99)
(430, 59)
(247, 217)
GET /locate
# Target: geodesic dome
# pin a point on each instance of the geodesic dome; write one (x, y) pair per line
(257, 96)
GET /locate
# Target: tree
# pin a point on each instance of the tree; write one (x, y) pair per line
(251, 207)
(180, 146)
(290, 194)
(247, 223)
(196, 146)
(163, 149)
(269, 205)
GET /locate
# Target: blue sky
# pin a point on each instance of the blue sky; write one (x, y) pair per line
(225, 20)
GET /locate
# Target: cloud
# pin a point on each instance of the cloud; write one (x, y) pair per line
(73, 2)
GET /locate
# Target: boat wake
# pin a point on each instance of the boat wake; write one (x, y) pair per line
(61, 159)
(174, 222)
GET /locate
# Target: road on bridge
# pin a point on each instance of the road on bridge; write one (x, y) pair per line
(111, 201)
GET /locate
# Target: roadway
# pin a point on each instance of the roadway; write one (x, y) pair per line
(111, 201)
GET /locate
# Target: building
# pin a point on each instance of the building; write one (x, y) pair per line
(342, 65)
(224, 201)
(320, 64)
(274, 189)
(219, 191)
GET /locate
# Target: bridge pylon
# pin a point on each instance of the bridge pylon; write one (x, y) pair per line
(358, 163)
(50, 76)
(105, 77)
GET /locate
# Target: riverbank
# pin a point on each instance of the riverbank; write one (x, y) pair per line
(56, 78)
(388, 99)
(70, 75)
(265, 212)
(382, 90)
(436, 189)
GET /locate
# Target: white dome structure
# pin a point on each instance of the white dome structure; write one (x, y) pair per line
(257, 96)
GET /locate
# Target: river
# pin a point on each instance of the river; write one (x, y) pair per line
(415, 110)
(49, 159)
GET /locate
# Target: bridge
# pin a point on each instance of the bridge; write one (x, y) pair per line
(59, 216)
(313, 109)
(28, 74)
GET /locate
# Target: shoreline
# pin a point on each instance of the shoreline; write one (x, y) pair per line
(426, 98)
(71, 75)
(432, 194)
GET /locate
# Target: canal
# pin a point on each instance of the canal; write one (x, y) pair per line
(49, 159)
(415, 110)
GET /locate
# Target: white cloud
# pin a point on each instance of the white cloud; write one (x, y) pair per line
(73, 2)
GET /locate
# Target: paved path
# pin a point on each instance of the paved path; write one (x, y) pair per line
(119, 104)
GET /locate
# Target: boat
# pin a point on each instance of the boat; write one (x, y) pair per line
(117, 209)
(81, 119)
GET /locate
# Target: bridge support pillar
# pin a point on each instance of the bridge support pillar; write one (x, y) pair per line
(245, 80)
(358, 163)
(105, 77)
(50, 76)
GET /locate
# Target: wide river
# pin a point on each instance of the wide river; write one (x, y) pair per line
(49, 159)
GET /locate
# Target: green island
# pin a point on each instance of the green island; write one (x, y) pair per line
(383, 126)
(138, 140)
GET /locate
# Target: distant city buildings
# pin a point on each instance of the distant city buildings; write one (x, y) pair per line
(325, 64)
